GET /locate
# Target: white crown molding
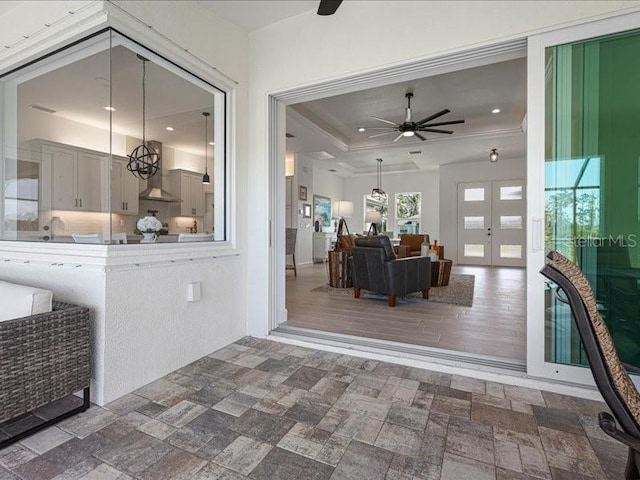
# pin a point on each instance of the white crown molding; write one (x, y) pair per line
(506, 132)
(305, 122)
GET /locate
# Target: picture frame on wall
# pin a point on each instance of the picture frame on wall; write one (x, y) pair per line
(322, 210)
(302, 193)
(306, 210)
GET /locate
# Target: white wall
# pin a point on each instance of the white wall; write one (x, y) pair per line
(303, 168)
(309, 49)
(452, 174)
(130, 306)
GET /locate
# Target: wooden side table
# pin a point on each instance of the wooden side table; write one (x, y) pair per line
(339, 269)
(440, 272)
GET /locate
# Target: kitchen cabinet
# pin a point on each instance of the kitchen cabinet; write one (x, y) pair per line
(322, 243)
(188, 187)
(124, 188)
(77, 178)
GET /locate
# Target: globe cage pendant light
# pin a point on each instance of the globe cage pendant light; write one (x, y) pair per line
(143, 161)
(205, 178)
(378, 192)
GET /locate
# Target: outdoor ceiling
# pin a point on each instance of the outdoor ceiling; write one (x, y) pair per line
(331, 124)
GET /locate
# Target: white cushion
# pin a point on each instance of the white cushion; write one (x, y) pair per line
(17, 301)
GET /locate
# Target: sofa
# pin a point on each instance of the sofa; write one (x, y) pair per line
(414, 242)
(44, 353)
(375, 267)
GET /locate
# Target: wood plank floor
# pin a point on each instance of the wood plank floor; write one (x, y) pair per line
(495, 325)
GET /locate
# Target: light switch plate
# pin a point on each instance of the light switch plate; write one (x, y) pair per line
(194, 292)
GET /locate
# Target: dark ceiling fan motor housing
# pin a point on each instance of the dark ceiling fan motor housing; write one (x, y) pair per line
(415, 128)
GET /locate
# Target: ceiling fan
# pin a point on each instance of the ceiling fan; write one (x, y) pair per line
(328, 7)
(409, 128)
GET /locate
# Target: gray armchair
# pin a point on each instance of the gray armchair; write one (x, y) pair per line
(376, 268)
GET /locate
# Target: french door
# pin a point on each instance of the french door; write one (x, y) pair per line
(491, 226)
(584, 186)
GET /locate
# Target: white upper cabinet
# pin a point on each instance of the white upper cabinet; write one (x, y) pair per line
(187, 186)
(124, 188)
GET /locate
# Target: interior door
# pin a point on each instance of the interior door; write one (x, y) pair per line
(474, 223)
(508, 236)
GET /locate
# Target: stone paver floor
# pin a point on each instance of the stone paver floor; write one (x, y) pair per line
(265, 410)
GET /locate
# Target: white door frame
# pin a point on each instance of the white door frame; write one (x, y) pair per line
(536, 364)
(453, 60)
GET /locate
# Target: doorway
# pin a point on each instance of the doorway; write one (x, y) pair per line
(491, 225)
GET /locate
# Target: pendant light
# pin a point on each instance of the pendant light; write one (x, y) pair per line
(205, 178)
(378, 192)
(493, 156)
(143, 161)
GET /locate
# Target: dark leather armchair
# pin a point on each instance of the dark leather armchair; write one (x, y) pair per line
(376, 268)
(610, 376)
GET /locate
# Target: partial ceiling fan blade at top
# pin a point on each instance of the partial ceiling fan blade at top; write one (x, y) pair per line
(381, 134)
(438, 124)
(328, 7)
(419, 136)
(386, 121)
(435, 130)
(398, 138)
(434, 116)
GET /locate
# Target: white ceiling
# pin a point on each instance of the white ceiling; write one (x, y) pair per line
(254, 14)
(331, 124)
(80, 91)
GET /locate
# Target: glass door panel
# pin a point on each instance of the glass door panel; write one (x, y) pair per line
(592, 179)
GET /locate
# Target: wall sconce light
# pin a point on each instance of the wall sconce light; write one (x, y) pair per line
(493, 156)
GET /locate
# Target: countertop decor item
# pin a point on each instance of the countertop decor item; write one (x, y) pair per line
(149, 224)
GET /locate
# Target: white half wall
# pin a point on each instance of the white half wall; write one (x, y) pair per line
(453, 174)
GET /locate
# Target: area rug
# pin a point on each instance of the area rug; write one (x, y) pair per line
(458, 292)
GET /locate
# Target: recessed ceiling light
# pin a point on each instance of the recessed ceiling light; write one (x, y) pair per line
(361, 129)
(170, 129)
(110, 108)
(495, 110)
(212, 143)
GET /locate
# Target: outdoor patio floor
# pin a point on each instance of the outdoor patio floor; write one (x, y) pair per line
(260, 409)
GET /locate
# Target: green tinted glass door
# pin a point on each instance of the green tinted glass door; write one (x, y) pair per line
(592, 178)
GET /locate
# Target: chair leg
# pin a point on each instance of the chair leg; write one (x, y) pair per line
(631, 472)
(295, 272)
(356, 292)
(392, 300)
(425, 293)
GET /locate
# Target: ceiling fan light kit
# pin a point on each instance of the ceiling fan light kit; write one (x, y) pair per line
(493, 156)
(409, 128)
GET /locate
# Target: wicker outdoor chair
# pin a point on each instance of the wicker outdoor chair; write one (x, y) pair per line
(610, 376)
(43, 358)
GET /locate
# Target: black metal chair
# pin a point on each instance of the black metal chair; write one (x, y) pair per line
(610, 376)
(376, 268)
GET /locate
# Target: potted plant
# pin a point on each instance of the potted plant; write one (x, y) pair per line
(149, 227)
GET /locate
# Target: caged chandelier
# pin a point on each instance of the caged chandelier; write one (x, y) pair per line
(378, 192)
(143, 161)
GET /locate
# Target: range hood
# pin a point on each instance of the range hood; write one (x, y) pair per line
(154, 189)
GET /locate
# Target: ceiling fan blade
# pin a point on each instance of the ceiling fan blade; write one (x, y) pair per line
(435, 115)
(381, 134)
(398, 138)
(452, 122)
(385, 121)
(328, 7)
(380, 128)
(419, 136)
(435, 130)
